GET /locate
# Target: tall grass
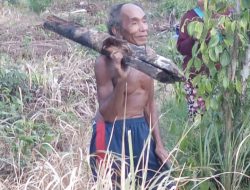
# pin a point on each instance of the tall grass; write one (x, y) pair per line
(63, 99)
(46, 114)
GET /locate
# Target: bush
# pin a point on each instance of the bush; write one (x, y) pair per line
(179, 6)
(19, 133)
(39, 6)
(11, 82)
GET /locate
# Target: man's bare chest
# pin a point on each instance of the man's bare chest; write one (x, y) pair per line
(136, 80)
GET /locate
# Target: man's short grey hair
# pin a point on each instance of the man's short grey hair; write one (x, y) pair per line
(114, 19)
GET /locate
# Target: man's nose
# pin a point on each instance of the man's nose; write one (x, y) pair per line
(143, 26)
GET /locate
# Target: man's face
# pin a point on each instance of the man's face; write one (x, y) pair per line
(134, 24)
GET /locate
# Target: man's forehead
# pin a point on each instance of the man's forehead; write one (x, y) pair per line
(132, 11)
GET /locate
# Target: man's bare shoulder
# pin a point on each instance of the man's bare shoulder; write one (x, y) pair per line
(102, 71)
(101, 60)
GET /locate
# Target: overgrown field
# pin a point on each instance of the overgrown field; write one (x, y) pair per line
(48, 101)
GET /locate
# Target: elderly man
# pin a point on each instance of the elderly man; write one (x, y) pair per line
(126, 99)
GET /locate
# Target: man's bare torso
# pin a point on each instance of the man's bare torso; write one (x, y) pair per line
(139, 85)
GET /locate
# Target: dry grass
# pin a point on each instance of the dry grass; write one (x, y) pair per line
(65, 100)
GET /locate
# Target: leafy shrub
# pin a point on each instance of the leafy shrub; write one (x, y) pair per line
(179, 6)
(18, 132)
(224, 128)
(24, 136)
(39, 6)
(11, 82)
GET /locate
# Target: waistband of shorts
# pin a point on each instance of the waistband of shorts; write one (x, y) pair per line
(127, 121)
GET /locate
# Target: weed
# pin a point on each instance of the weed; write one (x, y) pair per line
(39, 6)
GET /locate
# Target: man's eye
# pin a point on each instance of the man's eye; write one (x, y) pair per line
(134, 23)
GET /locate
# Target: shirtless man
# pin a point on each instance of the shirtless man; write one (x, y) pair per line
(124, 92)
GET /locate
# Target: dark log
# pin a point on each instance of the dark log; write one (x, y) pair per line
(141, 58)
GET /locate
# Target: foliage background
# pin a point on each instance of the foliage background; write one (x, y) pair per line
(47, 102)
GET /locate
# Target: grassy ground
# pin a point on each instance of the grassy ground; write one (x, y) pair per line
(49, 99)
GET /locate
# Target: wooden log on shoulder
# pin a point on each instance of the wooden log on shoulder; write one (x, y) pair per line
(141, 58)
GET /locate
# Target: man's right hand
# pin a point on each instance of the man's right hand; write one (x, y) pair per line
(121, 69)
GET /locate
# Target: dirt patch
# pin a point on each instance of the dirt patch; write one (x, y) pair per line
(22, 34)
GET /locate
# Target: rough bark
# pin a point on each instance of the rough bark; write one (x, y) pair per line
(141, 58)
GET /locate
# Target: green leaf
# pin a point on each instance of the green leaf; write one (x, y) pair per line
(197, 80)
(28, 139)
(233, 26)
(225, 82)
(214, 41)
(221, 20)
(189, 65)
(222, 74)
(190, 28)
(238, 86)
(49, 138)
(208, 86)
(203, 46)
(212, 70)
(204, 186)
(243, 24)
(243, 39)
(225, 58)
(197, 63)
(184, 144)
(207, 101)
(213, 104)
(212, 55)
(202, 88)
(194, 49)
(198, 29)
(229, 40)
(205, 57)
(218, 50)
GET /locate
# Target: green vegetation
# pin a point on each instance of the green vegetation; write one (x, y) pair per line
(179, 7)
(223, 132)
(37, 6)
(47, 99)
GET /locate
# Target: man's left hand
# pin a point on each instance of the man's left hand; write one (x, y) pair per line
(162, 154)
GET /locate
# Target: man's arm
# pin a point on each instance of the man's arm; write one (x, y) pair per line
(153, 121)
(110, 98)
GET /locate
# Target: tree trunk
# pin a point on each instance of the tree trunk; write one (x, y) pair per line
(141, 58)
